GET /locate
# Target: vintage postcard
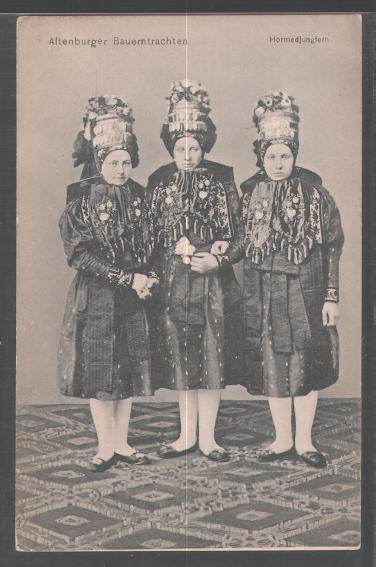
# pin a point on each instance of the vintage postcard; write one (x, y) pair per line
(189, 205)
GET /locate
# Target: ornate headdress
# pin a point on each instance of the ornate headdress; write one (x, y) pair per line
(188, 111)
(107, 126)
(276, 118)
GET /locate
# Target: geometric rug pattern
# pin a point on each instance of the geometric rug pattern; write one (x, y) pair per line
(189, 502)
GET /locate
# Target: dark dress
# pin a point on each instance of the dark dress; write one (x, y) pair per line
(104, 349)
(291, 240)
(196, 323)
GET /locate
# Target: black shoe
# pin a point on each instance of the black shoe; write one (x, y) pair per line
(167, 452)
(218, 456)
(135, 458)
(97, 464)
(269, 456)
(314, 459)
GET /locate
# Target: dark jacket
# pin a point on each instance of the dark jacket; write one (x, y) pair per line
(174, 301)
(317, 273)
(104, 339)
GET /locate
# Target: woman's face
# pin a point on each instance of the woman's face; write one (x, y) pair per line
(278, 162)
(117, 167)
(187, 153)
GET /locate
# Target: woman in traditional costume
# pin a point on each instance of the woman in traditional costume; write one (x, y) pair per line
(194, 208)
(291, 241)
(104, 351)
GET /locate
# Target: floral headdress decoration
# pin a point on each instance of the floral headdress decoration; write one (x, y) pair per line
(276, 117)
(188, 115)
(107, 126)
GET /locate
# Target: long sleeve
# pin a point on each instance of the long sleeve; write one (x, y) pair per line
(333, 239)
(235, 252)
(233, 202)
(79, 247)
(152, 269)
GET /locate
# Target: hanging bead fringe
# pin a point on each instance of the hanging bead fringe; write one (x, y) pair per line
(295, 253)
(168, 236)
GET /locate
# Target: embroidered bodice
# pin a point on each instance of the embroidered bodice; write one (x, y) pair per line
(112, 222)
(191, 202)
(281, 216)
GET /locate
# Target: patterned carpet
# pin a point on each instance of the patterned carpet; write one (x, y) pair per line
(190, 502)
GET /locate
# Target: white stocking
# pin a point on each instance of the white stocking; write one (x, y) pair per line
(120, 424)
(305, 410)
(208, 404)
(188, 420)
(281, 413)
(101, 412)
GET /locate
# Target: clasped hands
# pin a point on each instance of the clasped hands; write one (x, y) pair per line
(143, 285)
(201, 262)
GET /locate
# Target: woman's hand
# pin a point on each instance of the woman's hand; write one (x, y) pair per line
(204, 263)
(219, 247)
(330, 314)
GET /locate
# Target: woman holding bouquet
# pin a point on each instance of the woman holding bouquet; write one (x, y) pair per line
(194, 208)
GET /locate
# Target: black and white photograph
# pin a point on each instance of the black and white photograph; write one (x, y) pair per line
(189, 282)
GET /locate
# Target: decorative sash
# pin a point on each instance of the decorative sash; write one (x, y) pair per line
(187, 295)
